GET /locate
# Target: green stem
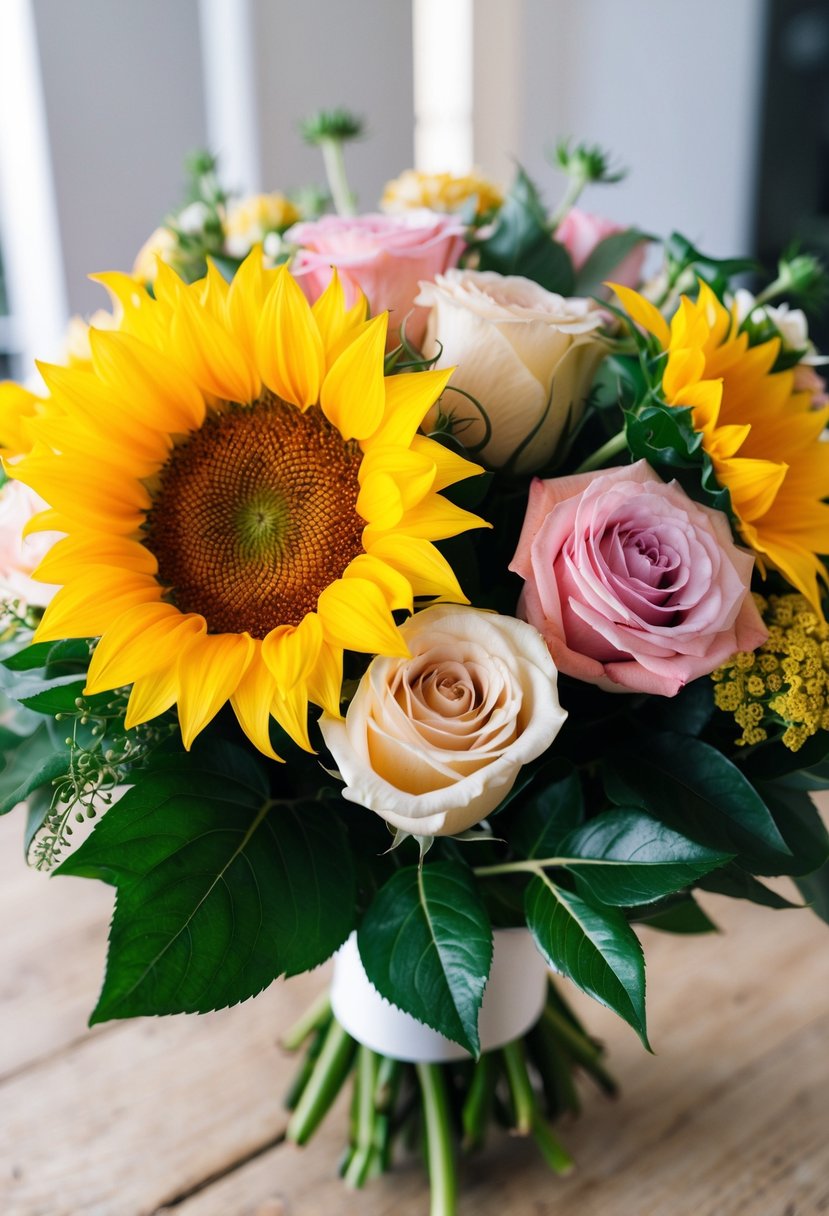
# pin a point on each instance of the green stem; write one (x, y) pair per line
(442, 1179)
(607, 451)
(326, 1081)
(303, 1073)
(364, 1085)
(555, 1069)
(334, 161)
(581, 1048)
(521, 1090)
(572, 195)
(315, 1016)
(477, 1109)
(554, 1153)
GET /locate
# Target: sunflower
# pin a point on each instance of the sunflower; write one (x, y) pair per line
(244, 495)
(763, 438)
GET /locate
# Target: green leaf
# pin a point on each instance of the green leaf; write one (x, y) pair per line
(681, 914)
(34, 763)
(605, 258)
(426, 945)
(219, 892)
(696, 790)
(59, 696)
(520, 241)
(30, 658)
(627, 858)
(801, 827)
(815, 890)
(737, 884)
(594, 947)
(552, 811)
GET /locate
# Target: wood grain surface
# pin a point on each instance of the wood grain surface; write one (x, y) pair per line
(183, 1116)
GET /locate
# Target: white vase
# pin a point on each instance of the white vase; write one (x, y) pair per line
(513, 1001)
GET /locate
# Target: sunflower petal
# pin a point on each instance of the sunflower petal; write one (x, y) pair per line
(644, 313)
(251, 702)
(138, 643)
(427, 570)
(355, 616)
(353, 396)
(213, 671)
(289, 351)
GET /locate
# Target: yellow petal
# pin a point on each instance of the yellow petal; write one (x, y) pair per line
(152, 695)
(409, 397)
(87, 608)
(396, 588)
(213, 359)
(355, 616)
(168, 399)
(427, 570)
(643, 313)
(291, 712)
(436, 518)
(72, 553)
(326, 680)
(139, 642)
(213, 671)
(289, 352)
(379, 501)
(290, 651)
(251, 703)
(353, 396)
(450, 466)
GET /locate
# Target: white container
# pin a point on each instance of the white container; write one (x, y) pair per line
(513, 1000)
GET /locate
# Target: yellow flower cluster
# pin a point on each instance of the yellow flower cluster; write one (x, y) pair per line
(786, 681)
(250, 219)
(439, 192)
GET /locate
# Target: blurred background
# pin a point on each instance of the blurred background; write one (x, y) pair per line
(719, 111)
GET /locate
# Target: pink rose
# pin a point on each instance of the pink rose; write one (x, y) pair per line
(580, 233)
(634, 586)
(384, 255)
(20, 555)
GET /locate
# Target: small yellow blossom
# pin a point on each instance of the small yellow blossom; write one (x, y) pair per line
(160, 245)
(439, 192)
(249, 220)
(786, 682)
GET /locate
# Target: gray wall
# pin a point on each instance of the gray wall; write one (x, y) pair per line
(123, 89)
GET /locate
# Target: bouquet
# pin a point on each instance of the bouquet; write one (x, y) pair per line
(429, 589)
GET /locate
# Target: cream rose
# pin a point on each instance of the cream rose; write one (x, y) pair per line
(528, 356)
(20, 555)
(434, 742)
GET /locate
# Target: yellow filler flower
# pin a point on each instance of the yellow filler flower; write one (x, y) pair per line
(763, 438)
(244, 496)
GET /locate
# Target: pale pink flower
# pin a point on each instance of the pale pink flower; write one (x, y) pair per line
(580, 232)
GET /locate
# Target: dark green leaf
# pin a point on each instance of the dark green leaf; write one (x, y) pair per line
(549, 813)
(426, 945)
(800, 826)
(737, 884)
(30, 658)
(681, 914)
(34, 763)
(696, 790)
(815, 890)
(627, 858)
(605, 259)
(59, 696)
(594, 947)
(219, 892)
(520, 241)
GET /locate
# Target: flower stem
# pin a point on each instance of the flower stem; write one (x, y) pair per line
(442, 1179)
(325, 1082)
(555, 1069)
(315, 1016)
(477, 1109)
(521, 1090)
(364, 1084)
(607, 451)
(581, 1048)
(334, 161)
(554, 1153)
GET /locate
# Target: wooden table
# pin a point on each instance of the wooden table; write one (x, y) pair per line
(183, 1116)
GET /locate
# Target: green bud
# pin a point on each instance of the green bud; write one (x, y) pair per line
(338, 125)
(586, 163)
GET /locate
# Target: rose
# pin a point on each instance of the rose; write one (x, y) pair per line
(20, 555)
(383, 255)
(434, 742)
(634, 586)
(528, 356)
(580, 233)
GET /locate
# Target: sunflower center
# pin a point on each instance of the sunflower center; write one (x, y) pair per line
(255, 515)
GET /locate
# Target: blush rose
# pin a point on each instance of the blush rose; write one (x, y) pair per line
(580, 232)
(385, 256)
(634, 586)
(434, 742)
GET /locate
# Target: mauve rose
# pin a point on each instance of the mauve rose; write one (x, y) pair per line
(383, 255)
(20, 555)
(580, 232)
(634, 586)
(434, 742)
